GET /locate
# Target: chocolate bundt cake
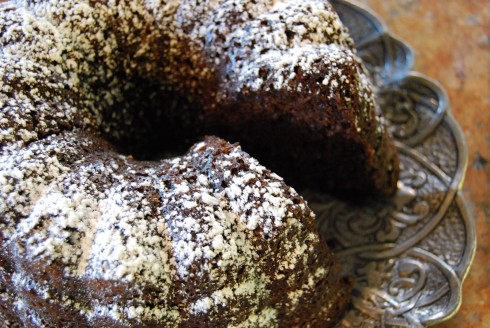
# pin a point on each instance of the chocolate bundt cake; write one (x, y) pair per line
(95, 231)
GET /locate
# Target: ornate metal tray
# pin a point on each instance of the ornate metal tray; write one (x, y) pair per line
(409, 254)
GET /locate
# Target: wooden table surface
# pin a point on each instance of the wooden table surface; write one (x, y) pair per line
(451, 40)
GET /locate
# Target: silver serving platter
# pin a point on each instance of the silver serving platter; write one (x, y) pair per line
(408, 255)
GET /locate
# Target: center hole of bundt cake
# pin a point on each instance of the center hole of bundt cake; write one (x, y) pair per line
(150, 122)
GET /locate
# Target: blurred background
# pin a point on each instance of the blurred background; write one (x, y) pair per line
(451, 41)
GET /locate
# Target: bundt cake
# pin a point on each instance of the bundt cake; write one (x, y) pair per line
(98, 230)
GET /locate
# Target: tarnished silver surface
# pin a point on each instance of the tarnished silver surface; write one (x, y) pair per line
(408, 255)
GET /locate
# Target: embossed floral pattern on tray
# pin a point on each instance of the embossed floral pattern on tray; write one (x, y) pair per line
(408, 255)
